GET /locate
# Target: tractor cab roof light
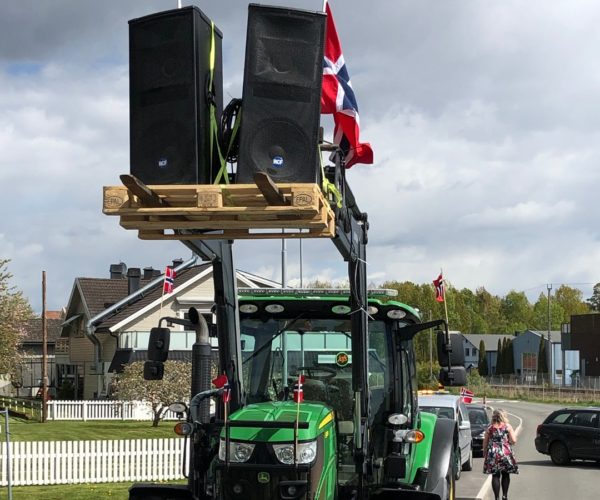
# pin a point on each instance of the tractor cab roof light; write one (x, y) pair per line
(313, 292)
(396, 314)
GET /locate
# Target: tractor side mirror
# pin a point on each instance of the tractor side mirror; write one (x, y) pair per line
(454, 376)
(154, 370)
(450, 353)
(158, 345)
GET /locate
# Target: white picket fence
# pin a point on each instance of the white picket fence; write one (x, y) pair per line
(102, 410)
(70, 462)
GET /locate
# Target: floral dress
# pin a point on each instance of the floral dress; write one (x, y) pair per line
(499, 456)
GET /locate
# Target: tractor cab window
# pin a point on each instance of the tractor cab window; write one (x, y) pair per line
(276, 351)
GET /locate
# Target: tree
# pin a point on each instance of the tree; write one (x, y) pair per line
(594, 300)
(571, 301)
(498, 369)
(540, 314)
(517, 311)
(542, 359)
(482, 366)
(175, 386)
(511, 358)
(14, 312)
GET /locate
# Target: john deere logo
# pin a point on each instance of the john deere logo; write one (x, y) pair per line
(342, 359)
(264, 477)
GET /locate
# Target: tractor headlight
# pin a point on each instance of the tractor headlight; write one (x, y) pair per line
(305, 452)
(238, 452)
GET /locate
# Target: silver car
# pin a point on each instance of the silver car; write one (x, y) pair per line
(452, 407)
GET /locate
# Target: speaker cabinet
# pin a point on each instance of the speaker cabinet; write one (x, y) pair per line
(281, 99)
(169, 113)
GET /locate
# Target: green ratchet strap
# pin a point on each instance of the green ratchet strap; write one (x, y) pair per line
(329, 187)
(213, 126)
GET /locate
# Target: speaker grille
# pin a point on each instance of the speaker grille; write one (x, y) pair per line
(281, 96)
(169, 64)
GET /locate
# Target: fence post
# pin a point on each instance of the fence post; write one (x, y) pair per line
(84, 410)
(123, 410)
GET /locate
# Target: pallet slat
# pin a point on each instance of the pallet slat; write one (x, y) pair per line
(237, 211)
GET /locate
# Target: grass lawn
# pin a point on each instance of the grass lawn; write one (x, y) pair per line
(74, 491)
(69, 430)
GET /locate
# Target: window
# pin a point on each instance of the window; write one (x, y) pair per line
(583, 419)
(560, 418)
(466, 351)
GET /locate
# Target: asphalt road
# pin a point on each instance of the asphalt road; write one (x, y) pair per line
(538, 478)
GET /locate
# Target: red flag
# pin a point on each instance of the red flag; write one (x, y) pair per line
(337, 98)
(298, 389)
(221, 382)
(439, 288)
(169, 280)
(466, 395)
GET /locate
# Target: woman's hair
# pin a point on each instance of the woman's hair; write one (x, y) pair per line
(499, 417)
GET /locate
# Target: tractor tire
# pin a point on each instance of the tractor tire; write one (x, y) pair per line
(559, 453)
(468, 465)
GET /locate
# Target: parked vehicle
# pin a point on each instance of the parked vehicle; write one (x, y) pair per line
(480, 421)
(570, 433)
(451, 407)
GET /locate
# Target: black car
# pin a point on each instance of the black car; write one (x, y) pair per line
(480, 421)
(570, 433)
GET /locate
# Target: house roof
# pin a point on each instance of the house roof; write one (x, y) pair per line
(98, 294)
(139, 303)
(554, 334)
(33, 328)
(490, 340)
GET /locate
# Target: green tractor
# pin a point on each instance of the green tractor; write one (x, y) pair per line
(321, 445)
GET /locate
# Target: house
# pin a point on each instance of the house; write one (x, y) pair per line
(471, 342)
(27, 379)
(108, 320)
(526, 347)
(585, 338)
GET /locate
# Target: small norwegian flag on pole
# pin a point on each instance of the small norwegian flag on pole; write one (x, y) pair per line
(439, 288)
(298, 390)
(221, 382)
(466, 395)
(169, 280)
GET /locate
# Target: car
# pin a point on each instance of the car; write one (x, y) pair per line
(570, 433)
(452, 407)
(480, 420)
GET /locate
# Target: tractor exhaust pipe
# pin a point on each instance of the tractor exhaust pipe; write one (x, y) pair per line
(201, 363)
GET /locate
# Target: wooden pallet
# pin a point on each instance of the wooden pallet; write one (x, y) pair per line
(237, 211)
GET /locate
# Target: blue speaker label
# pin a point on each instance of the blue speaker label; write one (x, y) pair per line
(277, 161)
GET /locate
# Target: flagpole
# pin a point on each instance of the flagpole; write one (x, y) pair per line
(444, 296)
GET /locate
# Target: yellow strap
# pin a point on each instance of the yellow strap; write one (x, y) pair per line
(329, 187)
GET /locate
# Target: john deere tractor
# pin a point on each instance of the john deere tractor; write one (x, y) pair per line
(321, 394)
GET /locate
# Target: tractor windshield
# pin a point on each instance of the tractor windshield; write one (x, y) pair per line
(276, 351)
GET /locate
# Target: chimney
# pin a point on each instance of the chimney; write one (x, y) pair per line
(177, 262)
(133, 276)
(156, 273)
(148, 273)
(117, 271)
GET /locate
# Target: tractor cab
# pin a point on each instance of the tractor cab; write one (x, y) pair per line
(301, 340)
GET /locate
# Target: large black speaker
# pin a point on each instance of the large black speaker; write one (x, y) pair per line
(169, 64)
(281, 100)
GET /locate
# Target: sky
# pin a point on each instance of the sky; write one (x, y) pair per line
(483, 118)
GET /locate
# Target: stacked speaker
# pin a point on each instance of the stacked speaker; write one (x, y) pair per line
(170, 106)
(169, 65)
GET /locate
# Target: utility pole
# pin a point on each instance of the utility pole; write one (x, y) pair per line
(549, 287)
(430, 349)
(44, 352)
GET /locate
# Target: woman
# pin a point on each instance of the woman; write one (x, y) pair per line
(499, 459)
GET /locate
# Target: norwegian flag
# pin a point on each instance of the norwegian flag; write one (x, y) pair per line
(337, 98)
(466, 395)
(169, 280)
(221, 382)
(299, 390)
(439, 288)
